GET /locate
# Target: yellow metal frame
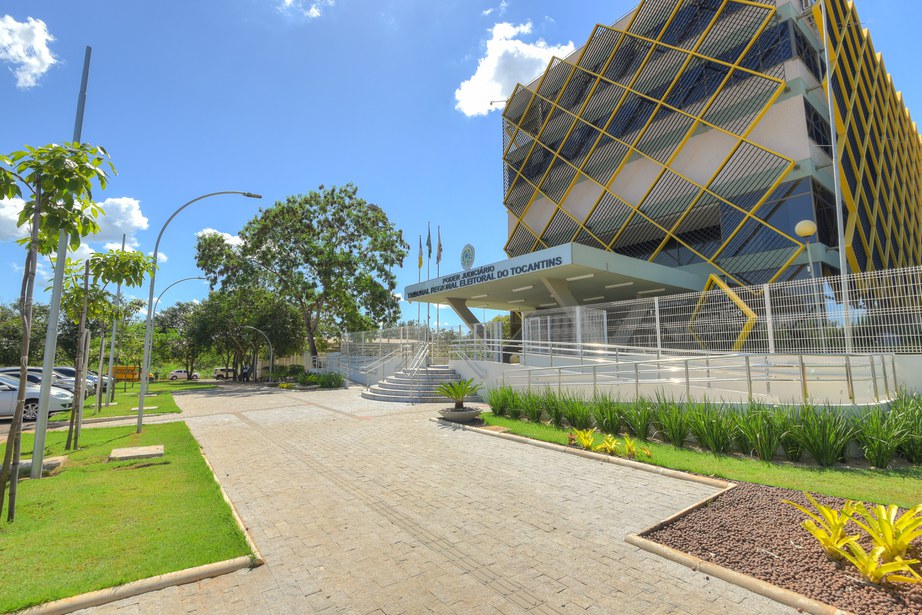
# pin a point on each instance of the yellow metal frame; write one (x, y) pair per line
(887, 137)
(751, 317)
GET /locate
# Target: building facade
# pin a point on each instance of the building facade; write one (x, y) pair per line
(695, 134)
(678, 149)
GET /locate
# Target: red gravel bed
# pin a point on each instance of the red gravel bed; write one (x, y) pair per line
(748, 529)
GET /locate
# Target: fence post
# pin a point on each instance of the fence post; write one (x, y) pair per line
(874, 377)
(659, 337)
(637, 380)
(803, 378)
(748, 377)
(595, 386)
(769, 321)
(849, 379)
(559, 374)
(708, 363)
(883, 368)
(687, 383)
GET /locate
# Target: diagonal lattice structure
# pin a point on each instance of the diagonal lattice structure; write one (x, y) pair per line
(613, 124)
(879, 148)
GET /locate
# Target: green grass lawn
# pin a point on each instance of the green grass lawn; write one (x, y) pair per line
(901, 486)
(97, 524)
(164, 402)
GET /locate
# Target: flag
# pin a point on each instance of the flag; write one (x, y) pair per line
(429, 242)
(438, 249)
(420, 252)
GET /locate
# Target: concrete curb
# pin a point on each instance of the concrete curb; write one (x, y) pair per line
(618, 461)
(136, 588)
(163, 581)
(763, 588)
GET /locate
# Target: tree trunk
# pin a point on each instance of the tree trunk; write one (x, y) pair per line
(10, 470)
(79, 376)
(99, 377)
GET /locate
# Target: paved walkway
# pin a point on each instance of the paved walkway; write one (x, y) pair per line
(368, 507)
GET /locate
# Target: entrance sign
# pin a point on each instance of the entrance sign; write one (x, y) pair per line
(467, 257)
(528, 263)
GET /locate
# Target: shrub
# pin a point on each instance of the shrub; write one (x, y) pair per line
(638, 416)
(610, 446)
(330, 380)
(585, 438)
(880, 433)
(515, 410)
(824, 433)
(606, 414)
(672, 422)
(759, 430)
(911, 408)
(295, 370)
(306, 379)
(576, 411)
(714, 427)
(501, 399)
(789, 420)
(533, 405)
(553, 406)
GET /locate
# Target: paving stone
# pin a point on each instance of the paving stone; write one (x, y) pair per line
(136, 452)
(361, 506)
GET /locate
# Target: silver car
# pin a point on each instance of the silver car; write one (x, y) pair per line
(59, 400)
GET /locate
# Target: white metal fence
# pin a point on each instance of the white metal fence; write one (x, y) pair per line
(883, 314)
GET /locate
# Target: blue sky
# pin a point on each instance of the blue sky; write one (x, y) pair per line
(280, 96)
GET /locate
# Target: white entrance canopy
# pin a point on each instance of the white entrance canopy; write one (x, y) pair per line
(563, 276)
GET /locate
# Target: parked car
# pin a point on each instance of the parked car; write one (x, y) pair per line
(59, 400)
(34, 376)
(224, 373)
(70, 372)
(181, 374)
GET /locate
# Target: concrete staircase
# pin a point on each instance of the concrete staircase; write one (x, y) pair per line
(420, 388)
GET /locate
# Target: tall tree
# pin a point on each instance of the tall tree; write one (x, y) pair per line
(330, 253)
(58, 180)
(82, 300)
(182, 336)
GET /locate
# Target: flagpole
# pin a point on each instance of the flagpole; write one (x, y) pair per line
(419, 277)
(428, 260)
(438, 259)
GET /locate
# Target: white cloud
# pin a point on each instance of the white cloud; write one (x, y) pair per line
(123, 216)
(9, 216)
(507, 61)
(232, 240)
(161, 257)
(311, 9)
(24, 45)
(499, 10)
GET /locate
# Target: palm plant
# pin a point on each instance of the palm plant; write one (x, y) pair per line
(458, 391)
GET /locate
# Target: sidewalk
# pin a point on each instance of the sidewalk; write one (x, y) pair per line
(368, 507)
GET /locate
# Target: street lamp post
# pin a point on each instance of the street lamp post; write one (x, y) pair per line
(836, 177)
(148, 327)
(160, 296)
(271, 352)
(806, 229)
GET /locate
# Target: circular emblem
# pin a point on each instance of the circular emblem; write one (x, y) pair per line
(467, 257)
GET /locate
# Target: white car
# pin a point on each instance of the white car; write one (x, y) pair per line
(58, 401)
(181, 374)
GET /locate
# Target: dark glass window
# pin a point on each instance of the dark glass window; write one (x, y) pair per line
(818, 129)
(824, 202)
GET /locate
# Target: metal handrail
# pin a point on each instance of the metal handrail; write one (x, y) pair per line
(413, 367)
(794, 370)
